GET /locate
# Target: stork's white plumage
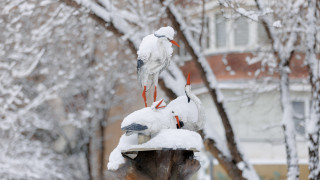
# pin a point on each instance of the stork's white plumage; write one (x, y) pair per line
(154, 56)
(179, 113)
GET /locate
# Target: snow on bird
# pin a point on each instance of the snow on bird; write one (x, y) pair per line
(154, 56)
(179, 113)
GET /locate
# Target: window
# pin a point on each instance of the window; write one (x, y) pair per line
(205, 42)
(241, 32)
(220, 27)
(300, 113)
(182, 51)
(262, 34)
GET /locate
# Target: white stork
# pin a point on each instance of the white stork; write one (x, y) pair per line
(154, 56)
(180, 113)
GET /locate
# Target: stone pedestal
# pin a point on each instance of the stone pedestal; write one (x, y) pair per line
(157, 165)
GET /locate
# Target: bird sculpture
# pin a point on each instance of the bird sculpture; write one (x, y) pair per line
(184, 112)
(154, 56)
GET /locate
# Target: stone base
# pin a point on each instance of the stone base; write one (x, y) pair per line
(157, 165)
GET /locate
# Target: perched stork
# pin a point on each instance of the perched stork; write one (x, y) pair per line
(154, 56)
(179, 113)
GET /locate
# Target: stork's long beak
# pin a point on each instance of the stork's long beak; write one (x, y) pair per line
(188, 79)
(175, 43)
(178, 122)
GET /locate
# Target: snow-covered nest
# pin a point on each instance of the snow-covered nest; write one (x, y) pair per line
(176, 139)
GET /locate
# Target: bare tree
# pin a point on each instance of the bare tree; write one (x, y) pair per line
(291, 26)
(57, 83)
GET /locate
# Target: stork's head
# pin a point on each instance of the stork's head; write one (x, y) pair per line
(166, 33)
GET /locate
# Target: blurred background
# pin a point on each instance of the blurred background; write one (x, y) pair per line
(68, 79)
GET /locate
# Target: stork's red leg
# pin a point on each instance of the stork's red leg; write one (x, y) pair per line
(155, 94)
(144, 96)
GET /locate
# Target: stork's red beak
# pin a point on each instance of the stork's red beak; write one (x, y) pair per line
(178, 122)
(175, 43)
(188, 80)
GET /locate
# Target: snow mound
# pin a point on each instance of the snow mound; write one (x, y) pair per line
(116, 158)
(176, 139)
(172, 139)
(167, 31)
(277, 24)
(154, 120)
(149, 49)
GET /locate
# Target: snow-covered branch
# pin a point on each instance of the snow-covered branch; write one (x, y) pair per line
(313, 124)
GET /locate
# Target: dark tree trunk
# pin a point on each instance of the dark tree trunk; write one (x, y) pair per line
(88, 157)
(157, 165)
(313, 124)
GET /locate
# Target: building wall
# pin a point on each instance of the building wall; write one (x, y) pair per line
(256, 119)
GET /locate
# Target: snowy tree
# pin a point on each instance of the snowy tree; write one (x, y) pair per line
(291, 26)
(26, 52)
(58, 82)
(313, 124)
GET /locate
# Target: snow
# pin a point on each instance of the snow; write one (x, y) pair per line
(250, 14)
(277, 24)
(153, 120)
(173, 139)
(166, 139)
(116, 158)
(219, 142)
(95, 8)
(167, 31)
(27, 70)
(241, 165)
(312, 123)
(149, 48)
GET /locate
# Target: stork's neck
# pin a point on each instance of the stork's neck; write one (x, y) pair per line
(161, 46)
(198, 103)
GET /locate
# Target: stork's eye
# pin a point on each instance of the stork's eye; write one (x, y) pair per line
(169, 39)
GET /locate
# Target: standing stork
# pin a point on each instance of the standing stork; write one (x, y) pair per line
(154, 56)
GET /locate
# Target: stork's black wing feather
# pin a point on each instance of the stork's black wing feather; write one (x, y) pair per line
(134, 127)
(139, 64)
